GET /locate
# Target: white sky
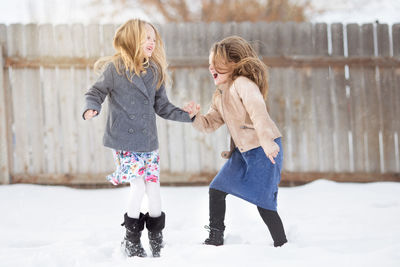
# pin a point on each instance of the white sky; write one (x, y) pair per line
(62, 11)
(81, 11)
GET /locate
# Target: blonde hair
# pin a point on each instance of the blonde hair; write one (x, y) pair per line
(234, 54)
(127, 42)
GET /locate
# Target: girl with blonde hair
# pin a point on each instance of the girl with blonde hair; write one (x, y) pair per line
(134, 81)
(253, 169)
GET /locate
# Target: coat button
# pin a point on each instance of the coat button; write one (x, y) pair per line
(131, 131)
(144, 116)
(132, 116)
(146, 102)
(144, 131)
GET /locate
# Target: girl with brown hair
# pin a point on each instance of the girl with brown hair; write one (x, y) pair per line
(253, 169)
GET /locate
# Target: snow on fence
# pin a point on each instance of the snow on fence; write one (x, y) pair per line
(334, 93)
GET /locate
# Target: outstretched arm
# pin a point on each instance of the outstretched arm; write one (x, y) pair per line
(205, 123)
(167, 110)
(97, 93)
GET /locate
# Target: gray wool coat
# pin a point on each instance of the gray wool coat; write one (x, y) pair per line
(131, 118)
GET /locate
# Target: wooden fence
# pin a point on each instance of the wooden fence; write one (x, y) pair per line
(334, 93)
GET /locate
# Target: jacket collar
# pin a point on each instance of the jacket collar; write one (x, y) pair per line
(138, 83)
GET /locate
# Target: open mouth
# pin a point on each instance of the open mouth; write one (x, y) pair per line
(215, 75)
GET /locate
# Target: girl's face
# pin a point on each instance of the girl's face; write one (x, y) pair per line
(219, 78)
(150, 41)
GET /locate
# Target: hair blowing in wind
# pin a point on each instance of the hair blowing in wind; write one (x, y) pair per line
(234, 54)
(128, 40)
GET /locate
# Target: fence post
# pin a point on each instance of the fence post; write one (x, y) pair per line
(4, 170)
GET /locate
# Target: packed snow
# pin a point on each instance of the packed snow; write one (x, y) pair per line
(327, 224)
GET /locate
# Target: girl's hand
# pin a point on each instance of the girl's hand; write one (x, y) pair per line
(192, 108)
(272, 151)
(90, 113)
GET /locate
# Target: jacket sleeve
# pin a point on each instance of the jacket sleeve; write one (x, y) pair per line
(100, 89)
(209, 122)
(166, 109)
(254, 104)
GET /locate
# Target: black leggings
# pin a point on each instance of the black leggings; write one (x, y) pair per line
(270, 217)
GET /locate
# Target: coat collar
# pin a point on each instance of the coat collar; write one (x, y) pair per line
(139, 83)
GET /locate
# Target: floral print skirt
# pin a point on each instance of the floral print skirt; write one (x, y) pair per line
(132, 165)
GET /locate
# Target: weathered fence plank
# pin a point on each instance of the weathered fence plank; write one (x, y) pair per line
(284, 83)
(187, 83)
(167, 34)
(213, 34)
(299, 109)
(176, 139)
(19, 101)
(175, 131)
(291, 127)
(268, 38)
(208, 158)
(387, 90)
(34, 107)
(357, 98)
(372, 109)
(108, 31)
(4, 144)
(396, 39)
(66, 100)
(80, 86)
(285, 36)
(340, 104)
(6, 161)
(101, 157)
(396, 84)
(52, 128)
(322, 98)
(308, 149)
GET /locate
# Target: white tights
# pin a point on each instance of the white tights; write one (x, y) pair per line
(138, 187)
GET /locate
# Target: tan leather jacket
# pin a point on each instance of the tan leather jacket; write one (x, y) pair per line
(243, 109)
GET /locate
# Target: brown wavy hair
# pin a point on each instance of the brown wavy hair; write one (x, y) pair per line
(127, 42)
(234, 54)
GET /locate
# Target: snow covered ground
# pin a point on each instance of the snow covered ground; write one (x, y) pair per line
(327, 224)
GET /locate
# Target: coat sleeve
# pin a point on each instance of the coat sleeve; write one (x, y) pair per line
(254, 104)
(209, 122)
(166, 109)
(99, 90)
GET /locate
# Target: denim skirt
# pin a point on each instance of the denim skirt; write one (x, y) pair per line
(251, 176)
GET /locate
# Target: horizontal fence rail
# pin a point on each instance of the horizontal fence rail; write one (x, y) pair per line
(201, 62)
(334, 93)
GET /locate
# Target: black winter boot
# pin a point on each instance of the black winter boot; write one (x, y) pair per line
(217, 217)
(216, 236)
(131, 243)
(154, 226)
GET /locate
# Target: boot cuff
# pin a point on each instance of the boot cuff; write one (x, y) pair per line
(155, 224)
(134, 224)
